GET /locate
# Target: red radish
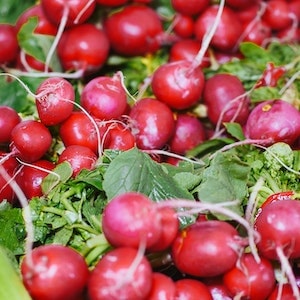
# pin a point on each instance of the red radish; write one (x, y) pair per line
(54, 272)
(134, 30)
(153, 123)
(224, 95)
(10, 165)
(187, 49)
(30, 140)
(277, 224)
(215, 248)
(273, 121)
(30, 177)
(250, 279)
(44, 26)
(228, 31)
(190, 8)
(178, 84)
(120, 137)
(241, 4)
(249, 13)
(78, 11)
(169, 228)
(277, 14)
(183, 26)
(9, 43)
(80, 157)
(104, 97)
(191, 289)
(9, 118)
(55, 100)
(217, 288)
(130, 219)
(283, 292)
(122, 273)
(80, 130)
(189, 132)
(84, 47)
(163, 287)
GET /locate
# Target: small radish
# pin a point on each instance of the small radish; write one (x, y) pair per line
(9, 118)
(130, 219)
(152, 123)
(80, 157)
(215, 247)
(54, 272)
(121, 274)
(274, 121)
(163, 287)
(104, 97)
(178, 84)
(54, 100)
(30, 140)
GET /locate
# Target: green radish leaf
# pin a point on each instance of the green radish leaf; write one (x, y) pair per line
(235, 130)
(61, 173)
(134, 170)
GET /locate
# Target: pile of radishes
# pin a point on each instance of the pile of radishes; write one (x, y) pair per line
(81, 109)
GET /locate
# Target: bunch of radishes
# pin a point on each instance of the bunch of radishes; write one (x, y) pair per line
(75, 125)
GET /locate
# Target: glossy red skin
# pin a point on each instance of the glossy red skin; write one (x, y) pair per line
(58, 272)
(178, 84)
(273, 121)
(54, 10)
(189, 132)
(110, 278)
(104, 97)
(250, 279)
(277, 15)
(80, 157)
(84, 47)
(217, 288)
(248, 14)
(287, 293)
(191, 289)
(10, 165)
(277, 223)
(163, 287)
(112, 3)
(56, 101)
(120, 138)
(183, 26)
(130, 218)
(44, 26)
(78, 129)
(241, 4)
(219, 90)
(129, 36)
(9, 44)
(191, 7)
(30, 177)
(294, 8)
(30, 140)
(228, 31)
(187, 49)
(202, 237)
(152, 122)
(9, 118)
(258, 33)
(169, 229)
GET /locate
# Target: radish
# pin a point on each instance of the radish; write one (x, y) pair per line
(163, 287)
(9, 118)
(30, 140)
(191, 8)
(104, 97)
(54, 100)
(122, 273)
(152, 123)
(10, 47)
(215, 247)
(130, 219)
(273, 121)
(54, 272)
